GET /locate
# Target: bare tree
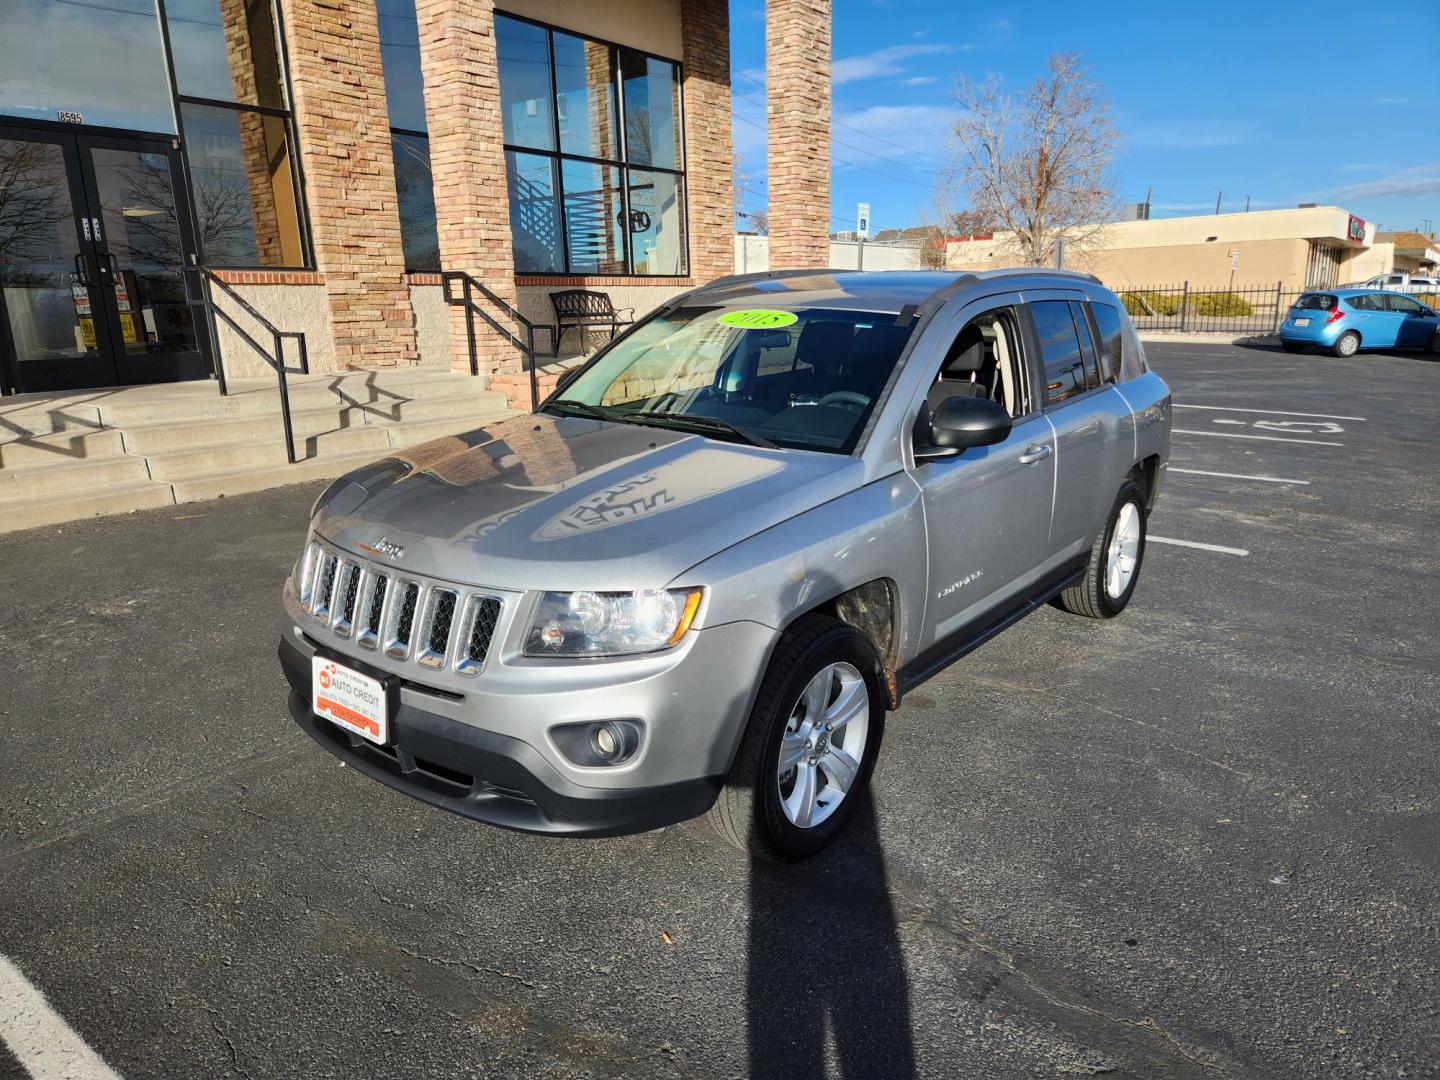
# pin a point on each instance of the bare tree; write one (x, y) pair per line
(747, 189)
(34, 209)
(1036, 164)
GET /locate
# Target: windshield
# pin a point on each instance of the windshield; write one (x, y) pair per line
(805, 378)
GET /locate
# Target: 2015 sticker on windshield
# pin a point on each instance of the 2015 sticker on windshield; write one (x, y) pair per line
(757, 319)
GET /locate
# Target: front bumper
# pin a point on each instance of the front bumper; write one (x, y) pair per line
(489, 776)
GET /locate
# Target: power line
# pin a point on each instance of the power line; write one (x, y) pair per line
(851, 127)
(851, 146)
(853, 164)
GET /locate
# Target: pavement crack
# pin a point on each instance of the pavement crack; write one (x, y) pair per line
(971, 939)
(479, 969)
(230, 1045)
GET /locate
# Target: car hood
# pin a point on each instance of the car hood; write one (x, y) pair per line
(543, 502)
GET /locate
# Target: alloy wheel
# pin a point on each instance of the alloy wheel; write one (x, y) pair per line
(823, 745)
(1123, 554)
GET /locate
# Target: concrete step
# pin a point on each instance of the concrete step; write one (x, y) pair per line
(61, 446)
(266, 454)
(417, 432)
(87, 474)
(26, 417)
(262, 427)
(199, 401)
(225, 482)
(33, 512)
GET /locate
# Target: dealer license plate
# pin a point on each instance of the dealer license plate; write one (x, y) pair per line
(1302, 322)
(344, 696)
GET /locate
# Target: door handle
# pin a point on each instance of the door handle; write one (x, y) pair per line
(1033, 454)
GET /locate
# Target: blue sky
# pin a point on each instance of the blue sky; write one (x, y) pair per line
(1285, 102)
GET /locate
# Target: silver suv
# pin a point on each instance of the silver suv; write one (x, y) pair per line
(698, 577)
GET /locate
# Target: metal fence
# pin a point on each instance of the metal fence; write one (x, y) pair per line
(1187, 308)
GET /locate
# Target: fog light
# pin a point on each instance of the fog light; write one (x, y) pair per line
(599, 743)
(608, 740)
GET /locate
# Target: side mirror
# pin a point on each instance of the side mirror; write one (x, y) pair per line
(960, 423)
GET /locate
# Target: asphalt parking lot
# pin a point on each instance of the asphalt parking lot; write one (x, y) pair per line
(1200, 840)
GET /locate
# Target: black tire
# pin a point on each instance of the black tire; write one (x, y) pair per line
(1293, 346)
(1089, 597)
(748, 812)
(1433, 345)
(1346, 345)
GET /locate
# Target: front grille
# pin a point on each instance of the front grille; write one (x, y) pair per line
(369, 633)
(439, 617)
(433, 625)
(348, 591)
(481, 619)
(403, 620)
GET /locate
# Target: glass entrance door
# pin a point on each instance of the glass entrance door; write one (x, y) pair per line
(93, 240)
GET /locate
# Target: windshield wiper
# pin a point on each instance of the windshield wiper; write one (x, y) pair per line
(579, 408)
(705, 424)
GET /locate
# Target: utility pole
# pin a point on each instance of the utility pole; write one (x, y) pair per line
(1247, 204)
(1218, 194)
(1059, 253)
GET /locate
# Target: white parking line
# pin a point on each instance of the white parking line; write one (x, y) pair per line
(1263, 438)
(1270, 412)
(1238, 476)
(1193, 544)
(38, 1036)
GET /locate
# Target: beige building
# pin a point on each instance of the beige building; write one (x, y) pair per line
(1306, 247)
(325, 161)
(1398, 252)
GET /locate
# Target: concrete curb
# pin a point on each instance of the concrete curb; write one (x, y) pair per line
(1209, 338)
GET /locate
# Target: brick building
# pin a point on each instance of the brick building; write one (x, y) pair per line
(326, 160)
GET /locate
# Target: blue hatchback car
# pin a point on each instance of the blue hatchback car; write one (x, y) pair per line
(1348, 320)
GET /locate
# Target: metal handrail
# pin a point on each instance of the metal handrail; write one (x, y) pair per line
(527, 349)
(202, 296)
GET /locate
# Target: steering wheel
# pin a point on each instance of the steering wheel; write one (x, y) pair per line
(846, 399)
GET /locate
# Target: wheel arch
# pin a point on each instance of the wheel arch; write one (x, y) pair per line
(872, 608)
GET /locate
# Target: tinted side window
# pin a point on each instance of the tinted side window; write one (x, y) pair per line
(1366, 302)
(1112, 339)
(1087, 345)
(1396, 302)
(1059, 349)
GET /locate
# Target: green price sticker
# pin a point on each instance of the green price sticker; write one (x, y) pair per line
(757, 320)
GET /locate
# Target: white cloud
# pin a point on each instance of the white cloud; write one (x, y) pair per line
(1414, 181)
(889, 61)
(910, 132)
(919, 80)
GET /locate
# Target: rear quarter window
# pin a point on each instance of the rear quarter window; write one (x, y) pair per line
(1112, 340)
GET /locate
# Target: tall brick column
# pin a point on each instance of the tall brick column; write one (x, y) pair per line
(709, 157)
(344, 130)
(797, 77)
(472, 207)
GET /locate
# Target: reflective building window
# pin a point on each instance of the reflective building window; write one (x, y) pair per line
(594, 154)
(405, 99)
(239, 134)
(104, 62)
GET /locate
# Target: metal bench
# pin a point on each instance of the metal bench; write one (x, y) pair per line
(582, 309)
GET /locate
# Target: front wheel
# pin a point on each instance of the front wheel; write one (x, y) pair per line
(1347, 344)
(810, 744)
(1433, 345)
(1114, 566)
(1292, 346)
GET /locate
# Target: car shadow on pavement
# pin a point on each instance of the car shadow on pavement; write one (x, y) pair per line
(825, 956)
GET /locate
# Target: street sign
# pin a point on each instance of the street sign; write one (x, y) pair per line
(862, 221)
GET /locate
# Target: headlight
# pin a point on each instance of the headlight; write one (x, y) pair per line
(610, 623)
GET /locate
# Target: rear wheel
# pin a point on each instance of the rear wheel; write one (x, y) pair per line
(810, 745)
(1292, 346)
(1115, 557)
(1347, 344)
